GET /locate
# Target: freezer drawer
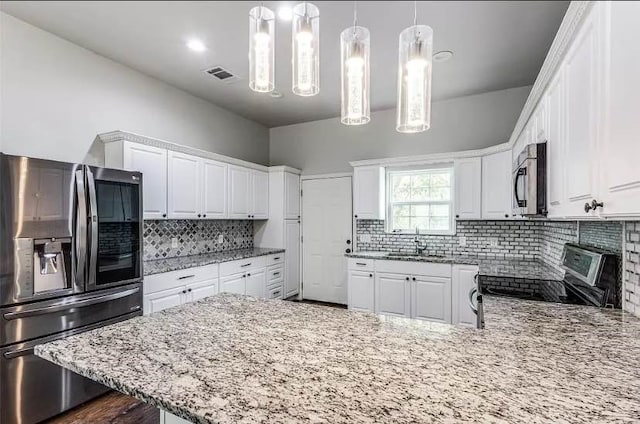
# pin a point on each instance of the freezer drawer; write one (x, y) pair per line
(33, 389)
(39, 319)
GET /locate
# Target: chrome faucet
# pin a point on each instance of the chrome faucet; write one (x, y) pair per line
(420, 248)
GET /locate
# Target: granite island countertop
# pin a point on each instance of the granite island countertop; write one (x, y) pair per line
(157, 266)
(230, 358)
(531, 269)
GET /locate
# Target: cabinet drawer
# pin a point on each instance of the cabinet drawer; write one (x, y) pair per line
(241, 265)
(414, 268)
(167, 280)
(275, 273)
(275, 259)
(361, 264)
(275, 292)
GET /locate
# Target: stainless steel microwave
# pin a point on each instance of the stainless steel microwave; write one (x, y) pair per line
(530, 181)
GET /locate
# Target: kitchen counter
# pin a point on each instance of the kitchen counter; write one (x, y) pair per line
(230, 359)
(488, 267)
(158, 266)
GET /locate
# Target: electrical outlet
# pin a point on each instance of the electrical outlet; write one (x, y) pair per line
(493, 242)
(365, 238)
(174, 242)
(462, 241)
(221, 239)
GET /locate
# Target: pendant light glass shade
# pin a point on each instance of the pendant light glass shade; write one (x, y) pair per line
(306, 43)
(261, 50)
(354, 47)
(414, 79)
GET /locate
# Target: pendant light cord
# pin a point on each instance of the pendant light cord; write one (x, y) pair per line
(415, 12)
(355, 16)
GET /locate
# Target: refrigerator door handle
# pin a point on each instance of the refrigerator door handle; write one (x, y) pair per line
(93, 228)
(81, 229)
(61, 306)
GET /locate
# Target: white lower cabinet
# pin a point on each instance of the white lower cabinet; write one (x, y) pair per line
(233, 284)
(167, 418)
(258, 277)
(164, 299)
(421, 290)
(197, 291)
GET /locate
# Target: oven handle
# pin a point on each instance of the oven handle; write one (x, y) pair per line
(521, 172)
(61, 306)
(93, 231)
(81, 229)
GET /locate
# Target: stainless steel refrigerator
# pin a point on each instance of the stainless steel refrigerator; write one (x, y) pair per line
(70, 261)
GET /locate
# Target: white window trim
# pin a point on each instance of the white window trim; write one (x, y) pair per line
(451, 202)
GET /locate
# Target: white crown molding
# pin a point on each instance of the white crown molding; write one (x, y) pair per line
(118, 135)
(571, 22)
(432, 158)
(285, 168)
(326, 176)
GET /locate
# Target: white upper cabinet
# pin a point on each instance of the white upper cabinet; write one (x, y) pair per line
(259, 195)
(496, 185)
(214, 192)
(556, 146)
(620, 150)
(152, 162)
(369, 192)
(582, 116)
(291, 196)
(468, 188)
(239, 192)
(184, 193)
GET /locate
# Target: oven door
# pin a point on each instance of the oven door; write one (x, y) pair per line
(114, 227)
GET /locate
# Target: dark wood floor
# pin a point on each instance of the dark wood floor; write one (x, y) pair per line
(111, 408)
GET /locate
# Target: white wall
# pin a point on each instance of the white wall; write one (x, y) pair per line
(56, 96)
(464, 123)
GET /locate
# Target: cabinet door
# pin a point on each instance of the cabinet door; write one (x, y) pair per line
(158, 301)
(197, 291)
(291, 196)
(291, 257)
(260, 195)
(233, 284)
(496, 186)
(464, 280)
(239, 192)
(468, 188)
(620, 147)
(256, 283)
(431, 298)
(368, 192)
(392, 294)
(184, 194)
(172, 419)
(581, 79)
(361, 285)
(556, 146)
(214, 193)
(152, 162)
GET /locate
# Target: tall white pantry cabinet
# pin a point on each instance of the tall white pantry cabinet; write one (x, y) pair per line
(282, 230)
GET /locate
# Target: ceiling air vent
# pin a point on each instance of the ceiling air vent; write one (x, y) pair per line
(221, 74)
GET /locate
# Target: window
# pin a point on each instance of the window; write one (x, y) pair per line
(422, 199)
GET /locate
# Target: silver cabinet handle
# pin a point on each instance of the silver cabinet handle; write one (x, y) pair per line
(61, 306)
(361, 263)
(245, 265)
(276, 273)
(473, 306)
(184, 277)
(276, 258)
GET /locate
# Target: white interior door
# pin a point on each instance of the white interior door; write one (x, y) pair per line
(326, 227)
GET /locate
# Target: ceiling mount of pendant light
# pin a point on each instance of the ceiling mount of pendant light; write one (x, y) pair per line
(354, 48)
(261, 49)
(415, 57)
(306, 43)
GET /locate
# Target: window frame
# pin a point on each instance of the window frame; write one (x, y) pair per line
(388, 227)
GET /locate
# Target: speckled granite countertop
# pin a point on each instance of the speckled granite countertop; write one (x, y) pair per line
(488, 267)
(231, 359)
(157, 266)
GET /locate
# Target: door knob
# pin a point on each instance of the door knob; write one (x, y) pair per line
(348, 241)
(348, 250)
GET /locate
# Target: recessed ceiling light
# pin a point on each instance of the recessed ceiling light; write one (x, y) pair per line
(285, 13)
(276, 94)
(196, 45)
(442, 56)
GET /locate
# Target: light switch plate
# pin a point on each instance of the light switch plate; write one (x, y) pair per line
(462, 241)
(221, 239)
(365, 238)
(174, 242)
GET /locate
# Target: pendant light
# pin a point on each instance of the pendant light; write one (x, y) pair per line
(306, 43)
(354, 47)
(261, 51)
(414, 77)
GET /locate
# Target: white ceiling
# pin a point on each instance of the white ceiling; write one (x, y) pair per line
(496, 45)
